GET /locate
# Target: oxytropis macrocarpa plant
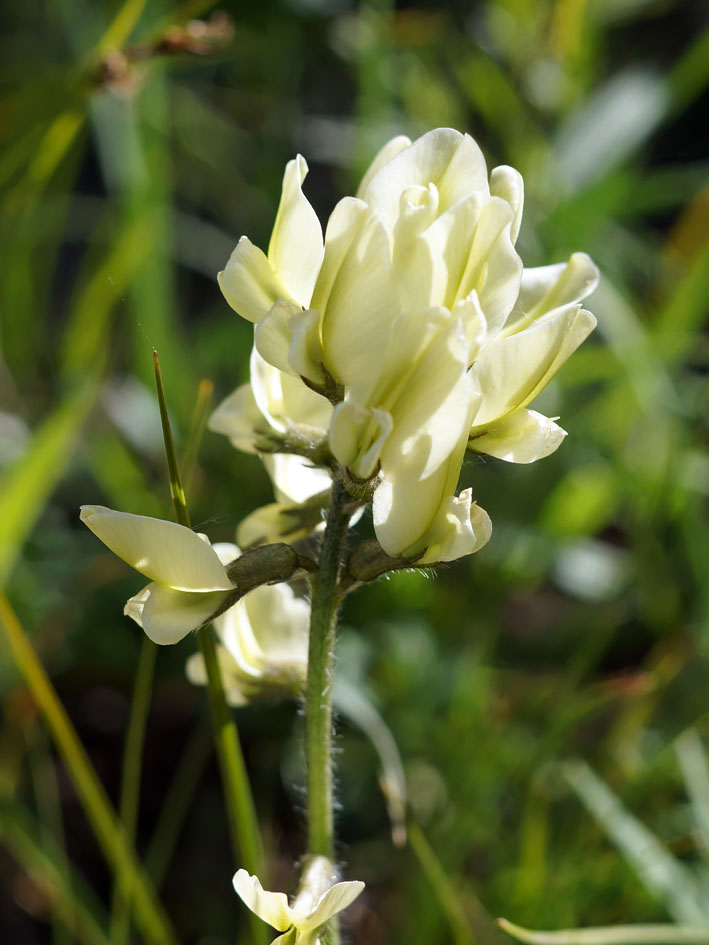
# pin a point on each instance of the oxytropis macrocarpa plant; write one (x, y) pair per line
(408, 336)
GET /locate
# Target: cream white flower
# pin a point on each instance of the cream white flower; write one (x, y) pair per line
(189, 582)
(416, 320)
(419, 516)
(546, 326)
(271, 406)
(263, 649)
(318, 900)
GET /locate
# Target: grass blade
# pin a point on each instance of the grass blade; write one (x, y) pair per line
(448, 899)
(132, 770)
(149, 914)
(26, 486)
(654, 865)
(695, 770)
(613, 935)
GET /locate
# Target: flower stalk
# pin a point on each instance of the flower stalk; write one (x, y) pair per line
(325, 602)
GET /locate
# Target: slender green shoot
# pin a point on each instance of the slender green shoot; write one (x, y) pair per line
(448, 900)
(176, 805)
(241, 811)
(132, 769)
(613, 935)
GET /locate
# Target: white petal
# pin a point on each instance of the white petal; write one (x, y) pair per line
(280, 623)
(512, 370)
(546, 288)
(134, 606)
(522, 437)
(164, 551)
(168, 615)
(436, 400)
(294, 478)
(356, 292)
(226, 551)
(273, 333)
(405, 506)
(237, 635)
(239, 418)
(296, 247)
(196, 673)
(303, 406)
(389, 151)
(494, 269)
(460, 528)
(507, 183)
(272, 907)
(444, 157)
(337, 898)
(249, 283)
(306, 356)
(271, 523)
(438, 258)
(357, 435)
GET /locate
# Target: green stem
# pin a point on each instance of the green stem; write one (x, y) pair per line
(241, 813)
(132, 768)
(325, 602)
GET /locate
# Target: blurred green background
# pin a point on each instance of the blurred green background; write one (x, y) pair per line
(137, 145)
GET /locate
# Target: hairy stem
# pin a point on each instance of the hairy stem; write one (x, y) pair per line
(318, 695)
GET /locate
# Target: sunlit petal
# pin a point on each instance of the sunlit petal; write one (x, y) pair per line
(164, 551)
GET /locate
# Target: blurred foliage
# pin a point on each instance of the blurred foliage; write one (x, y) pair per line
(137, 144)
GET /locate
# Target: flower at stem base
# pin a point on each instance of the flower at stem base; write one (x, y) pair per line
(317, 901)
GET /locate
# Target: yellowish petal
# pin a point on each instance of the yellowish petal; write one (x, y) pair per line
(435, 403)
(273, 334)
(249, 283)
(168, 615)
(507, 183)
(280, 623)
(460, 528)
(493, 268)
(272, 907)
(357, 435)
(522, 437)
(164, 551)
(389, 151)
(336, 899)
(239, 418)
(546, 288)
(356, 292)
(296, 247)
(444, 157)
(512, 370)
(295, 479)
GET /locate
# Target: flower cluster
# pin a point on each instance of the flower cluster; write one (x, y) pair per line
(407, 335)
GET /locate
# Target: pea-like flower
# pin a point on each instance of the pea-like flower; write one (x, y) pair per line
(263, 650)
(189, 582)
(268, 412)
(317, 901)
(414, 318)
